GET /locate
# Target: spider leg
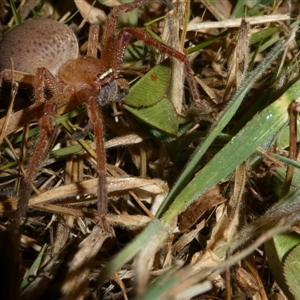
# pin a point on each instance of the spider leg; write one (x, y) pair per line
(18, 76)
(142, 34)
(114, 46)
(93, 40)
(110, 35)
(46, 112)
(96, 119)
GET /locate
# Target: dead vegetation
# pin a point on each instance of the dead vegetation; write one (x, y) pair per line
(205, 242)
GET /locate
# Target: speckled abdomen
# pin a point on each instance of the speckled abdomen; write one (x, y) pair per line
(38, 42)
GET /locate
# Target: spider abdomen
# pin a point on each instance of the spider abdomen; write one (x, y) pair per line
(36, 43)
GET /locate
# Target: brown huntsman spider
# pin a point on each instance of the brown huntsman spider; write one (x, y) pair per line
(91, 80)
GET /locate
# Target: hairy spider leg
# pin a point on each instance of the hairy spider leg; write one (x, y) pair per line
(46, 111)
(110, 33)
(96, 119)
(109, 67)
(114, 47)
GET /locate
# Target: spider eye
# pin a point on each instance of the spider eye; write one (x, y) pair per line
(105, 74)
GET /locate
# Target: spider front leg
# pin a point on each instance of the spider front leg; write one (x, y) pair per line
(46, 111)
(90, 97)
(109, 35)
(141, 34)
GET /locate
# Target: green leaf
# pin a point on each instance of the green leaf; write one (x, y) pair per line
(147, 100)
(292, 270)
(281, 245)
(161, 116)
(277, 250)
(151, 89)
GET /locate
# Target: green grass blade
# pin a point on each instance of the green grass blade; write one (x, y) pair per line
(219, 126)
(15, 12)
(255, 133)
(34, 269)
(154, 232)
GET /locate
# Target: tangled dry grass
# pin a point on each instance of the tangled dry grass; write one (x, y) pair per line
(62, 253)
